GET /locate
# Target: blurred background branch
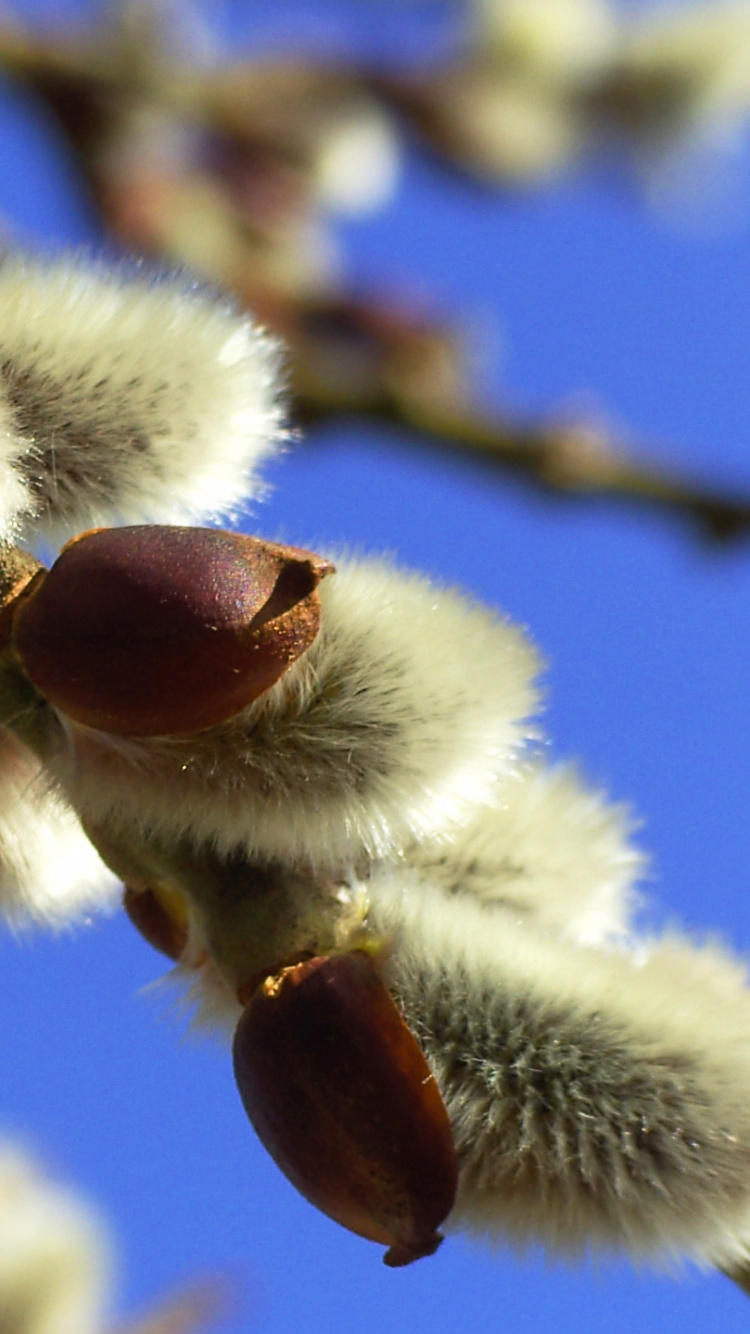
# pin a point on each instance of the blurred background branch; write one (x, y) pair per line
(237, 168)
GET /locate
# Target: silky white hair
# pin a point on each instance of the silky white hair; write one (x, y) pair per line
(599, 1099)
(49, 871)
(126, 396)
(407, 710)
(598, 1085)
(547, 847)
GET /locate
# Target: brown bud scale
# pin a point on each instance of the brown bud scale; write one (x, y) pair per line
(165, 930)
(156, 631)
(18, 570)
(341, 1095)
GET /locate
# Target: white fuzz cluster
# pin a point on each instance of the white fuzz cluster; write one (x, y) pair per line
(554, 40)
(356, 167)
(547, 848)
(406, 712)
(55, 1255)
(125, 396)
(703, 48)
(598, 1086)
(599, 1100)
(49, 872)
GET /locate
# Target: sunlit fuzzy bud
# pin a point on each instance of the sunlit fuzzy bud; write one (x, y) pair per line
(507, 128)
(548, 39)
(49, 872)
(55, 1254)
(343, 1099)
(549, 850)
(698, 57)
(355, 165)
(681, 92)
(126, 395)
(600, 1100)
(407, 710)
(154, 630)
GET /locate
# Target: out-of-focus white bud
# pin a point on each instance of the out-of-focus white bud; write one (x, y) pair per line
(356, 166)
(688, 69)
(55, 1254)
(703, 54)
(49, 872)
(550, 40)
(125, 395)
(512, 128)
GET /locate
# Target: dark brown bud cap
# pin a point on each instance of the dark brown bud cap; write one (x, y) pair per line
(155, 918)
(155, 631)
(341, 1095)
(17, 570)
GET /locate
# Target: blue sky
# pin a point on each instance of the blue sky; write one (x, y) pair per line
(581, 291)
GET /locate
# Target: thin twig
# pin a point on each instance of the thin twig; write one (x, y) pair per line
(91, 81)
(557, 459)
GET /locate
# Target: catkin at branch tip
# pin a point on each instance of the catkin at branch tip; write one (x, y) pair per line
(126, 396)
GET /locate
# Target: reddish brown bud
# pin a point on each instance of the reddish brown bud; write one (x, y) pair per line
(154, 631)
(342, 1097)
(17, 569)
(158, 919)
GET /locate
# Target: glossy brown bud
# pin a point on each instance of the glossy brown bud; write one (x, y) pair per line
(155, 631)
(17, 570)
(342, 1097)
(158, 918)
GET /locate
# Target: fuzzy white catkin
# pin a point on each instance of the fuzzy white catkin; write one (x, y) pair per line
(547, 849)
(405, 713)
(549, 40)
(355, 166)
(599, 1100)
(126, 396)
(598, 1087)
(49, 872)
(55, 1254)
(705, 48)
